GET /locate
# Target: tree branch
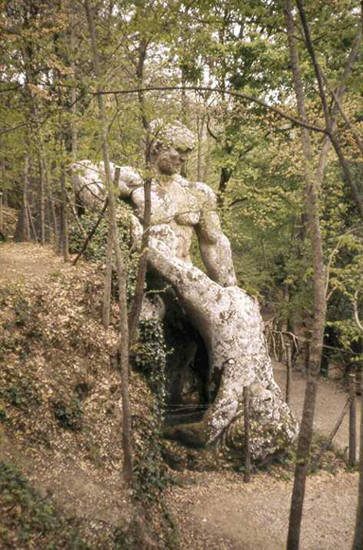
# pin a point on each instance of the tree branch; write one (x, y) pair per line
(311, 50)
(239, 95)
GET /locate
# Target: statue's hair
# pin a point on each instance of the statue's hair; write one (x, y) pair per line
(172, 135)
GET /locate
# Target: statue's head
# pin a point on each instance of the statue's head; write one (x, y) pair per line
(171, 146)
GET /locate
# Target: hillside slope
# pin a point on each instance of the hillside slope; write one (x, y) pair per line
(60, 403)
(60, 439)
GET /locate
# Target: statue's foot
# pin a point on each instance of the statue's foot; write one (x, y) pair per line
(195, 435)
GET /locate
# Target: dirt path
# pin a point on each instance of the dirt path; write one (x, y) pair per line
(217, 511)
(226, 514)
(220, 512)
(20, 262)
(330, 403)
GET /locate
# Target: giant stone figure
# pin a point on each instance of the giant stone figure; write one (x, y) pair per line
(223, 315)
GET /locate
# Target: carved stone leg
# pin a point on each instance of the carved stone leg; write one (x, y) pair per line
(230, 323)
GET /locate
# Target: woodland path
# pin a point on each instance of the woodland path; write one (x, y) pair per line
(226, 514)
(217, 511)
(330, 403)
(20, 262)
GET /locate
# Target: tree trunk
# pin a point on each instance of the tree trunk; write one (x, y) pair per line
(92, 232)
(246, 410)
(41, 202)
(52, 211)
(3, 182)
(358, 533)
(22, 232)
(352, 460)
(64, 232)
(330, 113)
(1, 214)
(121, 269)
(107, 284)
(312, 208)
(313, 185)
(141, 273)
(73, 92)
(200, 133)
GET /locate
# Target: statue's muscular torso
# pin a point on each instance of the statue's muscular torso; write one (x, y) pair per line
(177, 204)
(178, 208)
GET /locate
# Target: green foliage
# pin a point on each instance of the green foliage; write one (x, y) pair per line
(18, 389)
(150, 353)
(28, 521)
(20, 395)
(150, 357)
(97, 247)
(69, 414)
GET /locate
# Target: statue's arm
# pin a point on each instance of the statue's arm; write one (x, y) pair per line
(129, 180)
(214, 246)
(89, 182)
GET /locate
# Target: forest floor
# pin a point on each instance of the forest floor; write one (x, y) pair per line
(216, 510)
(226, 514)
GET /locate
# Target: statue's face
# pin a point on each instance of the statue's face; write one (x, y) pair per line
(170, 161)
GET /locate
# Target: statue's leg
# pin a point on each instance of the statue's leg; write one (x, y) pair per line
(231, 326)
(205, 302)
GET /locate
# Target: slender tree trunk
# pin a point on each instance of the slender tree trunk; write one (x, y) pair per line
(73, 93)
(121, 269)
(108, 282)
(330, 113)
(74, 130)
(184, 102)
(246, 411)
(4, 182)
(74, 214)
(41, 201)
(141, 274)
(1, 213)
(358, 533)
(61, 228)
(288, 372)
(92, 232)
(52, 211)
(312, 190)
(48, 231)
(352, 460)
(330, 439)
(26, 222)
(200, 127)
(31, 223)
(65, 246)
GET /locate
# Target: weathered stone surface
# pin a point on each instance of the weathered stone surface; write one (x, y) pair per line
(227, 319)
(231, 325)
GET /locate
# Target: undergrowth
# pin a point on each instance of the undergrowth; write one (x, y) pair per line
(28, 521)
(60, 400)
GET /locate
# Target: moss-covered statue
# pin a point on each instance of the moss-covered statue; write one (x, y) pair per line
(226, 319)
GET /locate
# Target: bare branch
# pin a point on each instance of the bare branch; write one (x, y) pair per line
(311, 50)
(239, 95)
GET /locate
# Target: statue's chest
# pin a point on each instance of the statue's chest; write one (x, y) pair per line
(169, 202)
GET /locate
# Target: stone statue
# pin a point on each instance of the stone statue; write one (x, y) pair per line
(226, 318)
